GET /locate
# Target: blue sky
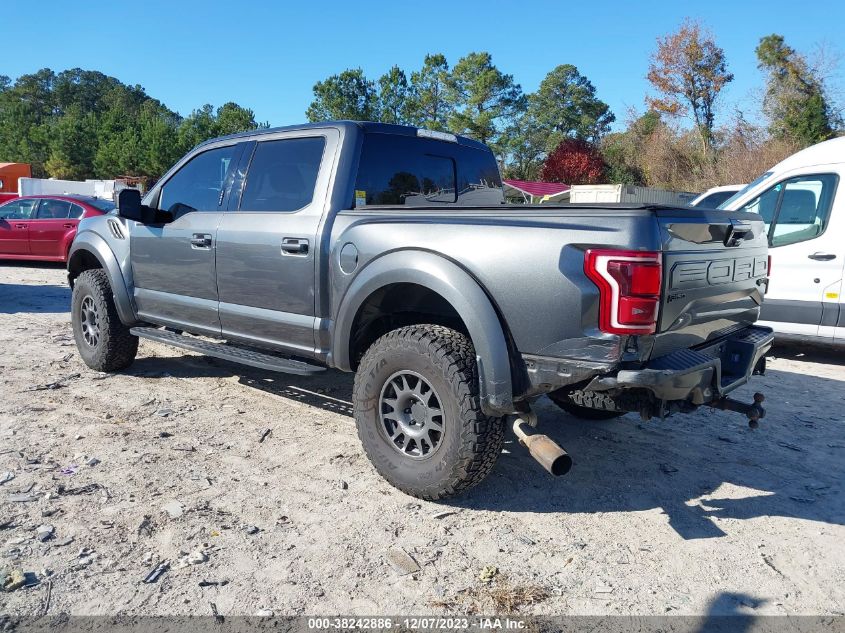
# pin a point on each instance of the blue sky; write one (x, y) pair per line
(267, 55)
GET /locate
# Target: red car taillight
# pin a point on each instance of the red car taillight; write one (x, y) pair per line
(629, 289)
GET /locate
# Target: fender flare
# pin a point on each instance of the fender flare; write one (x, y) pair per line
(92, 243)
(457, 287)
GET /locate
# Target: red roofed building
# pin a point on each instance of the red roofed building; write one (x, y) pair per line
(534, 192)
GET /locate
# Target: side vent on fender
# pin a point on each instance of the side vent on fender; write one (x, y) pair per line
(116, 229)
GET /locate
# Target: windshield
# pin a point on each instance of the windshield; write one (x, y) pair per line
(745, 189)
(713, 200)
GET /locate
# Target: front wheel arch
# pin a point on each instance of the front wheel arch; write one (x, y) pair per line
(89, 251)
(103, 341)
(80, 261)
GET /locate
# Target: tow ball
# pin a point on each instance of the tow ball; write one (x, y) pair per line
(754, 411)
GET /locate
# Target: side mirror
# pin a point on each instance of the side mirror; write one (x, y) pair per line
(129, 205)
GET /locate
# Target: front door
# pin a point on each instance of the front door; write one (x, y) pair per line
(51, 225)
(266, 246)
(173, 264)
(14, 226)
(806, 250)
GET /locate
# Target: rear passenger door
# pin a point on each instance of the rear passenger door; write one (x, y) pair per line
(267, 243)
(173, 264)
(48, 229)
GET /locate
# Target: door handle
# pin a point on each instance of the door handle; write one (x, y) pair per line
(822, 257)
(295, 246)
(20, 226)
(68, 225)
(200, 240)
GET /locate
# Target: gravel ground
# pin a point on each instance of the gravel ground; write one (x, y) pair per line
(254, 488)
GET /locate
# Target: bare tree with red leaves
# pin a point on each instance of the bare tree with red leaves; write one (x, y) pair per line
(574, 162)
(689, 70)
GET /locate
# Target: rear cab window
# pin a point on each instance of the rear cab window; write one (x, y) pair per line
(412, 171)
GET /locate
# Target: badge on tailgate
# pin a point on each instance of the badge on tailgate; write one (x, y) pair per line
(700, 274)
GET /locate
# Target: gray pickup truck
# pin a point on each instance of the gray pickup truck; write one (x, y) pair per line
(388, 251)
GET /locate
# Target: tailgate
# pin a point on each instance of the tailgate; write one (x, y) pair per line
(715, 265)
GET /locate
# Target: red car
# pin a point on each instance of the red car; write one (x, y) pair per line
(43, 227)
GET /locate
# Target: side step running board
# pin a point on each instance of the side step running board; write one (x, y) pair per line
(229, 352)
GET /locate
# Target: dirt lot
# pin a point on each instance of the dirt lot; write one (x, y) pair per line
(695, 514)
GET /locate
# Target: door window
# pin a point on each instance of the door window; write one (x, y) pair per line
(19, 209)
(797, 209)
(199, 184)
(282, 174)
(764, 205)
(76, 211)
(53, 209)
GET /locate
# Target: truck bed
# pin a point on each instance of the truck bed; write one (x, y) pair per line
(530, 259)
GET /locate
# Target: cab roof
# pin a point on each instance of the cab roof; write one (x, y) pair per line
(369, 127)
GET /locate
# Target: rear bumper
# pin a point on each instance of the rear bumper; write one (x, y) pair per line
(698, 375)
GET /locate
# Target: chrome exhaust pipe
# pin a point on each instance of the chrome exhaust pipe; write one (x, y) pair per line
(542, 448)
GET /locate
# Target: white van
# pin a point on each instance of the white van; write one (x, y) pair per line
(715, 196)
(805, 218)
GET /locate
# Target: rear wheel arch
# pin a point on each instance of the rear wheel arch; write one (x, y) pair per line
(440, 293)
(397, 305)
(418, 413)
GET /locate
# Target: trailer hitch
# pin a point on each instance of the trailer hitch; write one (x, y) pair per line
(754, 411)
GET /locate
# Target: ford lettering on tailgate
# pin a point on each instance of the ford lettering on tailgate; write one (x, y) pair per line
(700, 274)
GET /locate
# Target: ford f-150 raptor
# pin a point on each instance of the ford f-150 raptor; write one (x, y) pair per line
(389, 251)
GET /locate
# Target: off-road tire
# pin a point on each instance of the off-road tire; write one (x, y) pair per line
(471, 441)
(115, 348)
(595, 406)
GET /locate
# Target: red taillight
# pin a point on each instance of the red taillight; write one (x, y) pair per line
(629, 289)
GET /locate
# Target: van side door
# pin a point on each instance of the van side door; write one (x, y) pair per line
(267, 244)
(805, 219)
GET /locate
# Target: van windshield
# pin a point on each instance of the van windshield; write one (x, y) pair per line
(727, 203)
